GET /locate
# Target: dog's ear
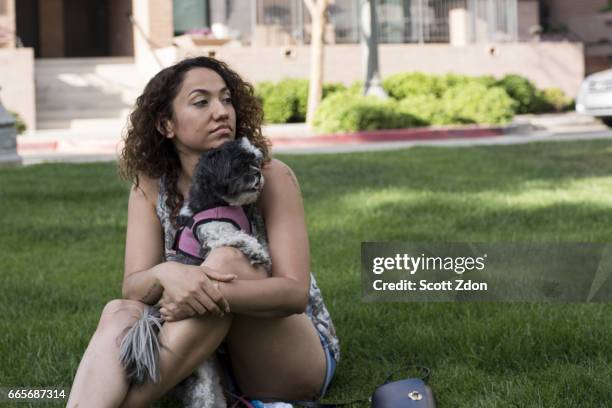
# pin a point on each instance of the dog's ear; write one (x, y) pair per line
(246, 144)
(210, 176)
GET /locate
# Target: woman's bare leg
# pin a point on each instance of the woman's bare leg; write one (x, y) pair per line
(262, 350)
(186, 344)
(100, 380)
(265, 361)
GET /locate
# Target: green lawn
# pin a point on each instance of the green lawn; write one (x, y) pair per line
(62, 247)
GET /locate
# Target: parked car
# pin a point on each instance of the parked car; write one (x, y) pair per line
(595, 96)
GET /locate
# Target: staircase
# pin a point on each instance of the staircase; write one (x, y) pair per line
(85, 95)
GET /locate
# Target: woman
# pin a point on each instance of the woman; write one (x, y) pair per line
(277, 331)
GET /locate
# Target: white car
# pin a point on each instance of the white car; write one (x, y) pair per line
(595, 96)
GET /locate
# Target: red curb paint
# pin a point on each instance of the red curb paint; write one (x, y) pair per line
(27, 146)
(90, 146)
(391, 135)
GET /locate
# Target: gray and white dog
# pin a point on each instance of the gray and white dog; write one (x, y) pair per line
(225, 179)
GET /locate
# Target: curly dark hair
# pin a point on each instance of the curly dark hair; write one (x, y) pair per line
(147, 152)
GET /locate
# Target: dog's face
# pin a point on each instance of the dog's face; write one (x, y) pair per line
(231, 172)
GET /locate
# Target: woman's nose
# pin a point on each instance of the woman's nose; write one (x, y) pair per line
(219, 109)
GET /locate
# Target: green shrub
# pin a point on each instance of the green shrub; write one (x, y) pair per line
(475, 103)
(356, 88)
(448, 81)
(402, 85)
(333, 87)
(278, 107)
(347, 112)
(426, 108)
(20, 125)
(298, 89)
(287, 100)
(263, 89)
(523, 91)
(554, 100)
(279, 100)
(487, 80)
(418, 99)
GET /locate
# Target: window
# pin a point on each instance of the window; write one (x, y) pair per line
(190, 15)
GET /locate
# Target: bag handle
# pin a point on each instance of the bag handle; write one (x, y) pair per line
(425, 373)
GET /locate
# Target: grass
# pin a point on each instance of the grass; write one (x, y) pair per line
(63, 237)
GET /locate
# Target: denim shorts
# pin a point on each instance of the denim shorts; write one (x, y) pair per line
(330, 363)
(331, 366)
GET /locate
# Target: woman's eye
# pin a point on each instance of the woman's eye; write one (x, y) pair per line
(228, 100)
(201, 103)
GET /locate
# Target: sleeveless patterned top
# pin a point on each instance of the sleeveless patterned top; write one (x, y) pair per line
(316, 310)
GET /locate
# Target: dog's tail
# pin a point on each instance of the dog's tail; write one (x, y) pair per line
(139, 351)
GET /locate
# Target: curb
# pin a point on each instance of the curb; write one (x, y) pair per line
(391, 135)
(108, 145)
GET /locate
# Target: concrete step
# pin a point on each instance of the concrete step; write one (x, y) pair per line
(91, 102)
(85, 124)
(78, 62)
(83, 113)
(81, 92)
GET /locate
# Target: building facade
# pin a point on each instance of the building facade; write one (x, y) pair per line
(46, 40)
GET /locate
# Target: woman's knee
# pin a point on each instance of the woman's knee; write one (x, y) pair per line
(120, 313)
(232, 260)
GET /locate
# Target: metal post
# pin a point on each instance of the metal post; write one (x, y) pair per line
(492, 21)
(369, 49)
(421, 21)
(513, 20)
(253, 20)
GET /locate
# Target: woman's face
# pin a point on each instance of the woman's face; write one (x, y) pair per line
(204, 117)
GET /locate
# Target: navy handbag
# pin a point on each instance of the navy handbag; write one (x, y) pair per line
(408, 393)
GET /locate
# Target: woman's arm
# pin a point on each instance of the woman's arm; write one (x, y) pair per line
(143, 246)
(146, 277)
(286, 292)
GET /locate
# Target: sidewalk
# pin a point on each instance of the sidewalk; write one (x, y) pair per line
(104, 144)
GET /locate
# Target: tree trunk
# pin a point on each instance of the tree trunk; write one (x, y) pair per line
(315, 91)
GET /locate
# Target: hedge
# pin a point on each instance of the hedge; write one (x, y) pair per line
(416, 99)
(287, 100)
(347, 112)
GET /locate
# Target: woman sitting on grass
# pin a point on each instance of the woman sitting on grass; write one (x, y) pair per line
(278, 333)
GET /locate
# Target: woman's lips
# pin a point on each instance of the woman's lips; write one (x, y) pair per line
(222, 131)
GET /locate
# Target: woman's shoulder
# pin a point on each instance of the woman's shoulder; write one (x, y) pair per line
(276, 168)
(280, 183)
(147, 189)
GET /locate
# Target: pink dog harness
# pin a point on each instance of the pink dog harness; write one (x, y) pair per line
(186, 241)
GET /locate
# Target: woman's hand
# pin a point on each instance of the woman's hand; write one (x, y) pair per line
(191, 290)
